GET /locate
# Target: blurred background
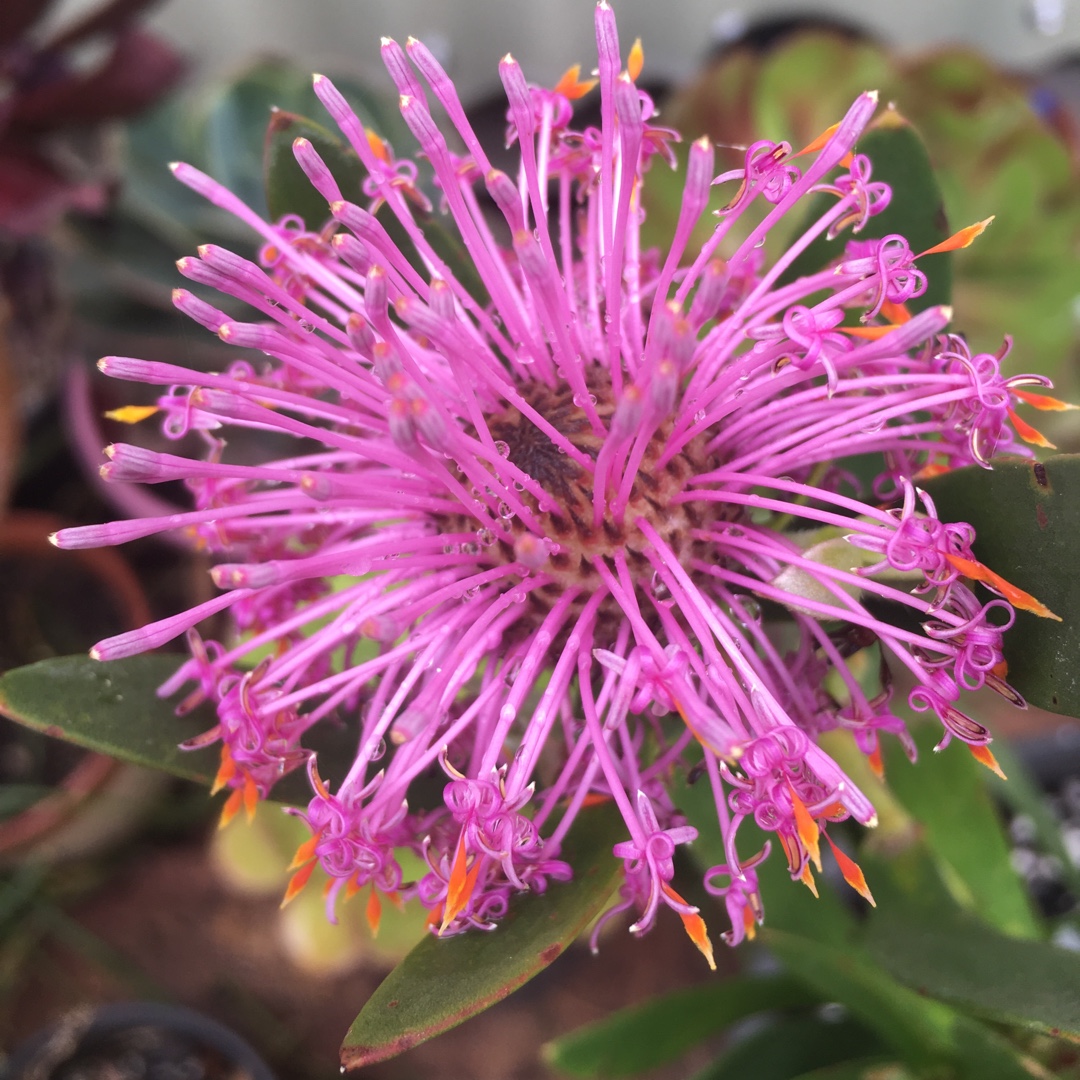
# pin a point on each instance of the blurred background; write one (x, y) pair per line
(546, 37)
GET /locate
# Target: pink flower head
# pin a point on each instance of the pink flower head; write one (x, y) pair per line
(521, 541)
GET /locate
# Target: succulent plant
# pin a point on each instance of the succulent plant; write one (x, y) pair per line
(991, 151)
(56, 95)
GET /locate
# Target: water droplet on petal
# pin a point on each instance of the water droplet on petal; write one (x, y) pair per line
(751, 611)
(659, 589)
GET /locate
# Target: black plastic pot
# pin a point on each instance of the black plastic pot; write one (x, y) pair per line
(135, 1041)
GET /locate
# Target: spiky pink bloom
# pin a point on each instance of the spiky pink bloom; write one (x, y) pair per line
(519, 529)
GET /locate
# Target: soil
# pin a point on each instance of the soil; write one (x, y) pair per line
(164, 926)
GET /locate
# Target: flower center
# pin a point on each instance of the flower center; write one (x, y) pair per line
(567, 521)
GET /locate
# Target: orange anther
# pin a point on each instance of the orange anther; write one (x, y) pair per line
(225, 773)
(985, 756)
(378, 147)
(251, 797)
(1028, 433)
(895, 313)
(928, 472)
(749, 923)
(877, 765)
(695, 927)
(352, 886)
(571, 84)
(807, 828)
(1044, 402)
(819, 142)
(1017, 597)
(460, 886)
(870, 333)
(305, 852)
(959, 239)
(373, 912)
(636, 60)
(297, 882)
(595, 798)
(852, 872)
(231, 808)
(807, 878)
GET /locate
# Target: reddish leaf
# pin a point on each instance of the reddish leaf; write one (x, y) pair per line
(32, 194)
(136, 73)
(106, 19)
(17, 16)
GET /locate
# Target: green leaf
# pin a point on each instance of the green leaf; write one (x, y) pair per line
(113, 708)
(642, 1037)
(924, 1032)
(1028, 983)
(916, 211)
(1027, 523)
(445, 981)
(874, 1068)
(947, 794)
(916, 1028)
(288, 190)
(233, 118)
(786, 1048)
(230, 119)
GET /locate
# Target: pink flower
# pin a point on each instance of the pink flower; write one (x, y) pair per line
(513, 534)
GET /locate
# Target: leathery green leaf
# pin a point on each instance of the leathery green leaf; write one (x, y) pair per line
(113, 708)
(946, 794)
(1029, 983)
(641, 1037)
(1027, 520)
(926, 1033)
(288, 190)
(445, 981)
(793, 1045)
(862, 1069)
